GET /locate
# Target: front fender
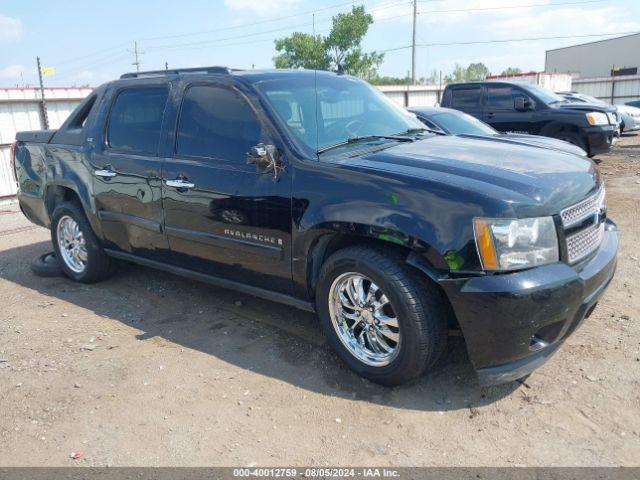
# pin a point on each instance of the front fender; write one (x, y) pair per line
(432, 219)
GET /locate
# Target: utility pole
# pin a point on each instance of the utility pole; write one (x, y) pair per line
(413, 43)
(136, 55)
(43, 104)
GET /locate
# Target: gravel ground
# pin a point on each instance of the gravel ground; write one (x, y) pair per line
(152, 369)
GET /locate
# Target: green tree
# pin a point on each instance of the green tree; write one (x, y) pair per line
(342, 47)
(477, 71)
(302, 50)
(459, 74)
(377, 80)
(474, 72)
(511, 71)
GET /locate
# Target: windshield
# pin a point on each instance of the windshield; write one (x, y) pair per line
(592, 100)
(547, 96)
(346, 108)
(461, 124)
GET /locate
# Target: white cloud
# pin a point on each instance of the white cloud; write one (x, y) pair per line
(566, 21)
(10, 28)
(262, 8)
(12, 72)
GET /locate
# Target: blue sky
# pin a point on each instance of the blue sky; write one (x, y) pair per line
(91, 42)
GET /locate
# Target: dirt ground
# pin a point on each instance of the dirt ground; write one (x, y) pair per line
(148, 368)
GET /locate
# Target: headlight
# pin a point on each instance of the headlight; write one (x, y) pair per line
(513, 244)
(597, 118)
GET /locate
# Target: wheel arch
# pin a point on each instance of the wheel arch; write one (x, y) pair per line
(58, 192)
(418, 254)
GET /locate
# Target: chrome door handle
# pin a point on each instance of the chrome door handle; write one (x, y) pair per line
(179, 183)
(105, 173)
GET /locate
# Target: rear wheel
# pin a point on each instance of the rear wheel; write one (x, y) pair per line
(384, 320)
(77, 248)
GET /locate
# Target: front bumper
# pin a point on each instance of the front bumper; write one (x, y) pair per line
(512, 323)
(599, 139)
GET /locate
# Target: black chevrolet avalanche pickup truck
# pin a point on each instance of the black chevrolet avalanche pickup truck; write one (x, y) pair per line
(524, 108)
(313, 189)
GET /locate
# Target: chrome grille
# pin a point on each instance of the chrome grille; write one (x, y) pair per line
(584, 209)
(584, 242)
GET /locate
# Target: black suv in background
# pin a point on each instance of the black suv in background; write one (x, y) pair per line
(316, 190)
(524, 108)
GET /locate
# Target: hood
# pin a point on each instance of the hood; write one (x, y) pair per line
(587, 107)
(510, 172)
(544, 142)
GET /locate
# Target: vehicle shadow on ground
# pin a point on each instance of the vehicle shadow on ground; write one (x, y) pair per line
(270, 339)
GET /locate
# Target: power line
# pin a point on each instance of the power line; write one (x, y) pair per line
(506, 40)
(269, 20)
(276, 30)
(530, 39)
(509, 7)
(261, 22)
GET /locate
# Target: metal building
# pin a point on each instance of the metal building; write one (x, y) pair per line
(19, 110)
(596, 59)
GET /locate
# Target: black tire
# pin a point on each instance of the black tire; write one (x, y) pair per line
(572, 137)
(418, 304)
(46, 265)
(98, 265)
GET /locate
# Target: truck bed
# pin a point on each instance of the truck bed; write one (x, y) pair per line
(36, 136)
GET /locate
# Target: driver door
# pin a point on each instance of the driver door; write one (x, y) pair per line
(223, 216)
(500, 111)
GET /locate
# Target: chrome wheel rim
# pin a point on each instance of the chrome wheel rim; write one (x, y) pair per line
(72, 245)
(364, 319)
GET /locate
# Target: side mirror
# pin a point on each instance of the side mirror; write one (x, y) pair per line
(522, 104)
(266, 158)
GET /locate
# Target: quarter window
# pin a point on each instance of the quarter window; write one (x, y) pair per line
(466, 97)
(136, 119)
(216, 122)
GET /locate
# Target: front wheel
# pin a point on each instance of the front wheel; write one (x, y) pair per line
(573, 138)
(80, 254)
(384, 320)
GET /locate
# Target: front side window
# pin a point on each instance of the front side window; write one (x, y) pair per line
(328, 110)
(500, 97)
(464, 98)
(216, 122)
(135, 120)
(545, 95)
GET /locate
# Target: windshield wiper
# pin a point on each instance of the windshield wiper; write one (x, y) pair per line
(421, 130)
(363, 138)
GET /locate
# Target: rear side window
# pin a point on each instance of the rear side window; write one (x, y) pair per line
(468, 97)
(216, 122)
(79, 118)
(136, 119)
(500, 97)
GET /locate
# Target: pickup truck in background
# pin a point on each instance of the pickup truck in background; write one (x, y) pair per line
(530, 109)
(314, 189)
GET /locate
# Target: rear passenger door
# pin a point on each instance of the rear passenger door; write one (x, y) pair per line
(223, 216)
(126, 168)
(468, 99)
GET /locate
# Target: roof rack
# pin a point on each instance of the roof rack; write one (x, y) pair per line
(177, 71)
